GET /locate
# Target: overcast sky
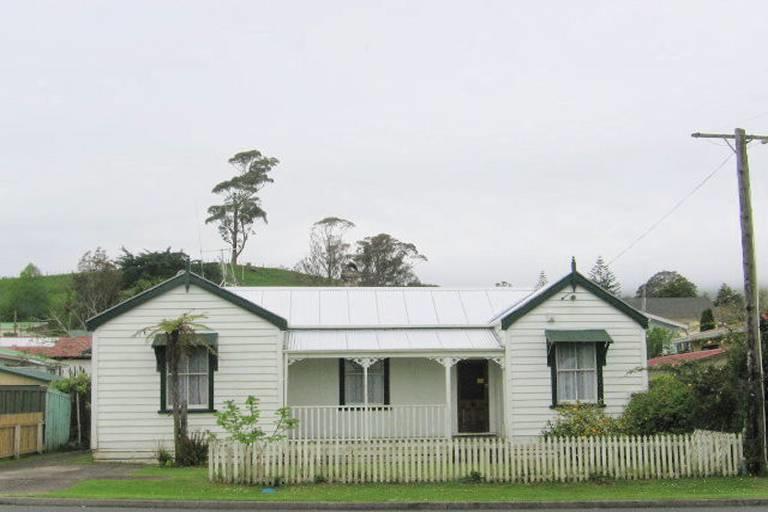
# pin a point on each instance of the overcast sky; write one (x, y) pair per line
(500, 137)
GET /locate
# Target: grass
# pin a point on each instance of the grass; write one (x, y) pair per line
(266, 276)
(192, 484)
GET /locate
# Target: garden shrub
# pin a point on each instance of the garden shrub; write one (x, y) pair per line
(582, 420)
(164, 456)
(196, 449)
(668, 406)
(718, 393)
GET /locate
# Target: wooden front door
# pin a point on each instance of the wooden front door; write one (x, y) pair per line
(472, 378)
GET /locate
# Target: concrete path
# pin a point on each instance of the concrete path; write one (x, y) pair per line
(55, 471)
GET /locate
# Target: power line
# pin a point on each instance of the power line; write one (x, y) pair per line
(671, 210)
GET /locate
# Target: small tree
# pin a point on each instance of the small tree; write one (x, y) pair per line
(328, 251)
(727, 296)
(542, 281)
(245, 426)
(95, 286)
(658, 341)
(180, 337)
(707, 320)
(602, 276)
(241, 208)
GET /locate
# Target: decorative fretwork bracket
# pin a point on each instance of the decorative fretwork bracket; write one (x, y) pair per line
(365, 362)
(447, 361)
(499, 360)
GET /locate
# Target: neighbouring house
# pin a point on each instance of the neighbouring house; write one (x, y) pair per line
(677, 328)
(21, 328)
(13, 376)
(684, 310)
(14, 358)
(358, 363)
(71, 353)
(715, 356)
(706, 340)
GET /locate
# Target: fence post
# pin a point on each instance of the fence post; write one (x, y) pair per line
(16, 441)
(40, 438)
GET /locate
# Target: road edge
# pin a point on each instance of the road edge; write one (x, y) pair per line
(326, 505)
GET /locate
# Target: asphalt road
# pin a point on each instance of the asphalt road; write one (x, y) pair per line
(14, 508)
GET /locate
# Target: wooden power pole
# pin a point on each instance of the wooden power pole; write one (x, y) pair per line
(755, 435)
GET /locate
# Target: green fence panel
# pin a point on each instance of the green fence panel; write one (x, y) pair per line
(58, 409)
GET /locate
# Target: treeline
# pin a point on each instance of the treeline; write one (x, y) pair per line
(380, 260)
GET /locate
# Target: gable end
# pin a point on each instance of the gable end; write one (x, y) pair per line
(575, 279)
(184, 278)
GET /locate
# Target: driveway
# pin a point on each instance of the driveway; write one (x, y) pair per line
(52, 472)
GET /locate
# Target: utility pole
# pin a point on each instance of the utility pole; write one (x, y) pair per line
(755, 435)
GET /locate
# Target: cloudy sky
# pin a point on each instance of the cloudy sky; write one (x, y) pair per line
(500, 137)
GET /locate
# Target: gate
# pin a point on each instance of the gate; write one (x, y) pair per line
(58, 410)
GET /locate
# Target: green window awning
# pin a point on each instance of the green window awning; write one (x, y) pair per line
(209, 339)
(578, 336)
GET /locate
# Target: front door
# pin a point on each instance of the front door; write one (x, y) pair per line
(472, 378)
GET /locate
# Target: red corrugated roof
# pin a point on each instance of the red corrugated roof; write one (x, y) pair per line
(676, 359)
(64, 348)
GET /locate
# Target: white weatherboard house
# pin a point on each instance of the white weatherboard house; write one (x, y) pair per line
(359, 363)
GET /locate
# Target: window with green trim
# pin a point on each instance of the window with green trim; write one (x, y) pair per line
(196, 379)
(576, 372)
(194, 373)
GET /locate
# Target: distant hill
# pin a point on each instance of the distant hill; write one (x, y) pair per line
(266, 276)
(57, 284)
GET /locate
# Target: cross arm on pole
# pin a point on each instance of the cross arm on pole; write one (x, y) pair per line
(698, 135)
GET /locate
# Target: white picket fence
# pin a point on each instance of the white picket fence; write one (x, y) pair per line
(491, 459)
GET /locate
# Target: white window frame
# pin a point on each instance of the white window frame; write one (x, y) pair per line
(577, 370)
(354, 370)
(186, 374)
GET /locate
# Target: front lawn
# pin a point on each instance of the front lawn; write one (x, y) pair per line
(193, 484)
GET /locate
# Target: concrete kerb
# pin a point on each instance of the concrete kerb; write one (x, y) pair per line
(276, 505)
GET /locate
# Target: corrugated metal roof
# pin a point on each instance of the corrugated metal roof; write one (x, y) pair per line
(28, 372)
(392, 340)
(385, 307)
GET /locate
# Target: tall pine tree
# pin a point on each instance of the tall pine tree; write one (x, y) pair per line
(602, 276)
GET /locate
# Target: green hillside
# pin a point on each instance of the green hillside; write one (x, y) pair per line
(57, 284)
(265, 276)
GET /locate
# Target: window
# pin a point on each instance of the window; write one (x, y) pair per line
(351, 386)
(576, 372)
(196, 371)
(193, 379)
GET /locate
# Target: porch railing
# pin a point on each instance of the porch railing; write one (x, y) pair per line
(349, 422)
